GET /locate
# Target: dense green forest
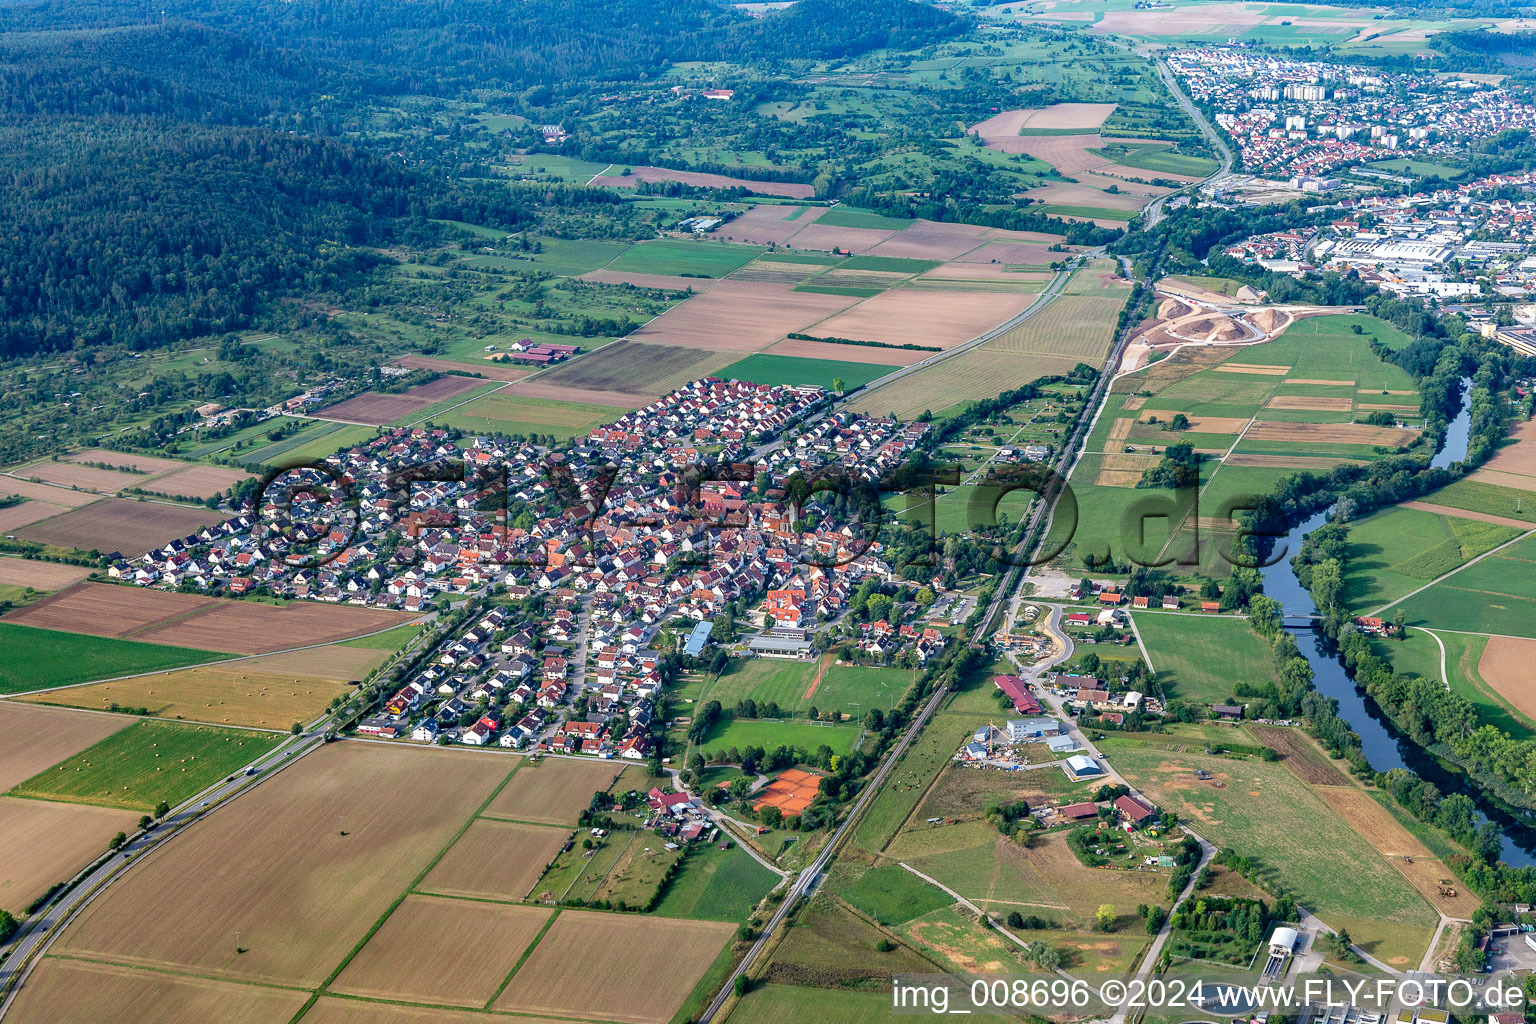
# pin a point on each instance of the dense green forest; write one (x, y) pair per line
(452, 45)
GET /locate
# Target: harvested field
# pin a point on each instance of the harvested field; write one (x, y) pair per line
(49, 842)
(741, 316)
(1506, 665)
(826, 237)
(1331, 433)
(301, 866)
(332, 1010)
(623, 951)
(32, 739)
(377, 409)
(769, 224)
(207, 623)
(266, 693)
(878, 280)
(924, 317)
(553, 792)
(1481, 517)
(14, 517)
(988, 272)
(1287, 461)
(246, 627)
(496, 860)
(583, 395)
(45, 492)
(1028, 254)
(137, 464)
(1058, 115)
(1265, 371)
(1310, 404)
(1199, 424)
(103, 609)
(450, 952)
(71, 992)
(666, 282)
(1325, 383)
(934, 240)
(1300, 755)
(24, 572)
(1118, 470)
(790, 190)
(1083, 195)
(1387, 408)
(1513, 466)
(637, 369)
(87, 478)
(196, 481)
(120, 525)
(1404, 852)
(488, 368)
(849, 353)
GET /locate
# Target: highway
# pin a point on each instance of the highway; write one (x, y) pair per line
(1155, 211)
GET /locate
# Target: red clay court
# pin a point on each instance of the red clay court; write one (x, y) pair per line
(792, 792)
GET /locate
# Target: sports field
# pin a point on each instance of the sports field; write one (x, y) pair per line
(851, 689)
(137, 767)
(781, 732)
(35, 659)
(1201, 657)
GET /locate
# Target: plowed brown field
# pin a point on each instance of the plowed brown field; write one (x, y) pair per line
(1506, 665)
(32, 738)
(498, 860)
(300, 867)
(553, 792)
(70, 992)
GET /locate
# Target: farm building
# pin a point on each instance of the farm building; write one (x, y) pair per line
(1133, 810)
(1080, 767)
(1080, 811)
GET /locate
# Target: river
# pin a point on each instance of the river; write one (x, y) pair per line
(1384, 745)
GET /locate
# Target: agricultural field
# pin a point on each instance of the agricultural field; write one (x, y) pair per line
(504, 413)
(204, 623)
(137, 767)
(122, 525)
(1200, 657)
(768, 368)
(418, 955)
(37, 659)
(745, 316)
(888, 894)
(33, 739)
(308, 446)
(553, 792)
(301, 867)
(621, 950)
(1076, 327)
(269, 692)
(47, 843)
(1265, 812)
(639, 371)
(684, 258)
(61, 991)
(495, 860)
(915, 773)
(716, 885)
(1399, 550)
(381, 409)
(1496, 594)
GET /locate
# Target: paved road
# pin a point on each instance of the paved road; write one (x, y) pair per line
(1155, 211)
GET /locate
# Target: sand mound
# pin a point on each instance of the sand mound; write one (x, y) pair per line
(1169, 309)
(1247, 294)
(1267, 320)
